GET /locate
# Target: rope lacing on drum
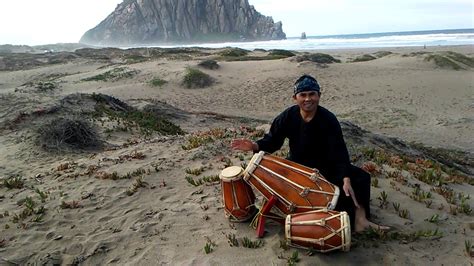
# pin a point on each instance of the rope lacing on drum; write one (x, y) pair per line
(314, 176)
(304, 192)
(291, 207)
(323, 222)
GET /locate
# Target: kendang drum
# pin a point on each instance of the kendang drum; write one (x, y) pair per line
(297, 188)
(237, 196)
(321, 230)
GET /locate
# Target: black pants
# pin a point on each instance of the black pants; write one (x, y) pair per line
(360, 182)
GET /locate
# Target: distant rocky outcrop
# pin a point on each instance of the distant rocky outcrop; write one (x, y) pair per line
(138, 22)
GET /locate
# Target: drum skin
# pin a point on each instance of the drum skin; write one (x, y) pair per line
(237, 196)
(297, 187)
(321, 231)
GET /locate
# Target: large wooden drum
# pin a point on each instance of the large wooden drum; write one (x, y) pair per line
(297, 188)
(237, 196)
(321, 230)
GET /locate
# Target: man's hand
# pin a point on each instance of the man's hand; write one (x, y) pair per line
(349, 191)
(244, 145)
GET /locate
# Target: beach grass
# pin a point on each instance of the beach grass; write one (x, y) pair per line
(443, 61)
(234, 52)
(381, 54)
(209, 64)
(364, 58)
(113, 75)
(195, 78)
(317, 58)
(280, 52)
(466, 60)
(157, 82)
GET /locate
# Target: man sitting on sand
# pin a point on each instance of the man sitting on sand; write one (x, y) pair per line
(316, 141)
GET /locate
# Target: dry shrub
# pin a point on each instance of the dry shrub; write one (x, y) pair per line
(68, 133)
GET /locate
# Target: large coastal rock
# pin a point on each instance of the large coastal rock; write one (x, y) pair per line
(137, 22)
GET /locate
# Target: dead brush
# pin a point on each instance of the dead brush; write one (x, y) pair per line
(424, 163)
(29, 209)
(14, 182)
(107, 175)
(459, 179)
(395, 161)
(66, 134)
(138, 172)
(75, 204)
(211, 179)
(193, 182)
(133, 155)
(371, 167)
(446, 192)
(202, 138)
(197, 141)
(195, 171)
(431, 176)
(397, 176)
(91, 169)
(137, 183)
(375, 155)
(3, 243)
(412, 167)
(43, 195)
(64, 166)
(226, 160)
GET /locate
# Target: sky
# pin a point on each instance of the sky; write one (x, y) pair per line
(35, 22)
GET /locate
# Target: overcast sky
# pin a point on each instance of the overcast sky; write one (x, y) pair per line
(52, 21)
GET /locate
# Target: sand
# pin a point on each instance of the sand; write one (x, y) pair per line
(167, 221)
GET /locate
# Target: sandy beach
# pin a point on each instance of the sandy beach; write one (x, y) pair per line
(131, 203)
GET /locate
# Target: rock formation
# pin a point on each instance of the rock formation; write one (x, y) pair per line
(139, 22)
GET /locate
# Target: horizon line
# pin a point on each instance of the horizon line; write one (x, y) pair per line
(386, 32)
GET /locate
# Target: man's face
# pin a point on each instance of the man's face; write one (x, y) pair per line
(307, 100)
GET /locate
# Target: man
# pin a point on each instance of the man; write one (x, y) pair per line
(316, 141)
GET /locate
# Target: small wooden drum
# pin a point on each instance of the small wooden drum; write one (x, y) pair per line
(237, 196)
(298, 188)
(320, 230)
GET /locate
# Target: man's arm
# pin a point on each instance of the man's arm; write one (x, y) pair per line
(271, 142)
(338, 154)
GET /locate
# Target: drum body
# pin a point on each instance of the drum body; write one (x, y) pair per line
(298, 188)
(237, 196)
(321, 230)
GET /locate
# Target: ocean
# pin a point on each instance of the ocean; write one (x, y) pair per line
(375, 40)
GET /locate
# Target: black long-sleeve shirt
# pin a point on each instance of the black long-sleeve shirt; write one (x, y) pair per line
(317, 144)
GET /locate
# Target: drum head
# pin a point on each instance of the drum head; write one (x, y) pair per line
(231, 173)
